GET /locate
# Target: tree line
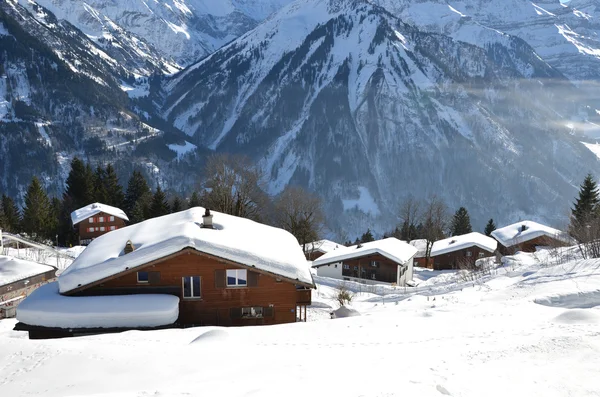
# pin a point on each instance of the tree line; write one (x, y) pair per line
(231, 185)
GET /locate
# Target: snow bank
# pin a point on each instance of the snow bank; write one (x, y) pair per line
(94, 209)
(45, 307)
(344, 312)
(12, 269)
(236, 239)
(520, 232)
(392, 248)
(457, 243)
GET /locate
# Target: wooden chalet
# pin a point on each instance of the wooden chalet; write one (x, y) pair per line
(526, 236)
(97, 219)
(226, 271)
(383, 261)
(461, 252)
(317, 249)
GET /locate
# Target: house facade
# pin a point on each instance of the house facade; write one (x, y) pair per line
(384, 261)
(461, 252)
(221, 271)
(527, 236)
(97, 219)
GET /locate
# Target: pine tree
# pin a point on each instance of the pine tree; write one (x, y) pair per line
(11, 214)
(114, 190)
(490, 227)
(80, 187)
(367, 237)
(160, 205)
(99, 194)
(3, 222)
(177, 204)
(586, 206)
(36, 213)
(138, 194)
(194, 200)
(54, 218)
(461, 223)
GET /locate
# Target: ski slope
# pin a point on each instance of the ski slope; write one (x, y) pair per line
(528, 328)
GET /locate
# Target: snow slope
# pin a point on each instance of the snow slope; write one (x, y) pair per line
(497, 338)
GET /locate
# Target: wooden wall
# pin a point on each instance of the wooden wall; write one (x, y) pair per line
(361, 268)
(530, 246)
(85, 234)
(216, 303)
(458, 259)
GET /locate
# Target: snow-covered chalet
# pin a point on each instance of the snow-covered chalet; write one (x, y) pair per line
(96, 219)
(462, 251)
(526, 236)
(186, 269)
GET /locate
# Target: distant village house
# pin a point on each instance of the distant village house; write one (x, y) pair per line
(526, 236)
(461, 252)
(96, 219)
(316, 249)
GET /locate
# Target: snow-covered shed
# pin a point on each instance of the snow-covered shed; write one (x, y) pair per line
(316, 249)
(382, 261)
(527, 236)
(223, 270)
(97, 219)
(462, 251)
(18, 278)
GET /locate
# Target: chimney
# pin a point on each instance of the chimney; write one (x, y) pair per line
(523, 228)
(129, 247)
(207, 220)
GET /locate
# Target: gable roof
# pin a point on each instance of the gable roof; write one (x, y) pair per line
(514, 234)
(13, 269)
(94, 209)
(323, 246)
(457, 243)
(235, 239)
(421, 246)
(392, 248)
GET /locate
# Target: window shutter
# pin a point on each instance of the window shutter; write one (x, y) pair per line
(235, 312)
(154, 277)
(252, 279)
(267, 312)
(220, 278)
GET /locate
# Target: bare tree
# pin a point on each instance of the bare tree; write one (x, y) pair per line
(233, 186)
(410, 215)
(342, 295)
(300, 213)
(435, 221)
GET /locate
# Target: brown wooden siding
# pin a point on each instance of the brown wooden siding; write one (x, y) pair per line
(313, 256)
(84, 226)
(387, 270)
(459, 259)
(217, 305)
(530, 246)
(422, 262)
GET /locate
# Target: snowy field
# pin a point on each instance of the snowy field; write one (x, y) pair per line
(530, 328)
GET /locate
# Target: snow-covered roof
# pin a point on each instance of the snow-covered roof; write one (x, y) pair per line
(456, 243)
(45, 307)
(523, 231)
(323, 246)
(236, 239)
(13, 269)
(421, 246)
(94, 209)
(392, 248)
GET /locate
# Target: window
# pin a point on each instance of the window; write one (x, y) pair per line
(142, 277)
(97, 229)
(469, 253)
(90, 230)
(347, 267)
(481, 254)
(191, 287)
(113, 228)
(101, 219)
(102, 228)
(91, 220)
(374, 263)
(237, 277)
(252, 312)
(112, 218)
(355, 267)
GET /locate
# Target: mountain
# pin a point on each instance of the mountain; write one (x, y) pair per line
(160, 36)
(345, 98)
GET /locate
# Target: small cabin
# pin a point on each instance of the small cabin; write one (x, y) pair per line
(97, 219)
(527, 236)
(461, 252)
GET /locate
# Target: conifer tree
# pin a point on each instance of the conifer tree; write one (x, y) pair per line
(3, 222)
(136, 215)
(114, 190)
(176, 204)
(586, 206)
(138, 194)
(11, 214)
(367, 237)
(194, 200)
(54, 218)
(36, 213)
(490, 227)
(461, 223)
(80, 187)
(100, 194)
(160, 205)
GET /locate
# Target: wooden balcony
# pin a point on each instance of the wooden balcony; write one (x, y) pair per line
(303, 297)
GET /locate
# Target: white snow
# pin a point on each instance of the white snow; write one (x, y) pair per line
(45, 307)
(392, 248)
(496, 337)
(421, 246)
(236, 239)
(3, 30)
(182, 150)
(514, 234)
(457, 243)
(13, 269)
(41, 128)
(365, 202)
(323, 246)
(593, 147)
(94, 209)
